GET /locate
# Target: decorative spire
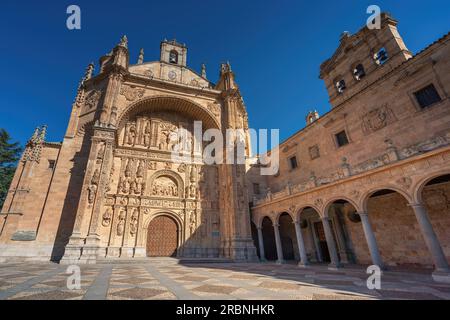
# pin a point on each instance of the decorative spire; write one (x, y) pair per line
(225, 67)
(43, 133)
(34, 137)
(89, 71)
(124, 42)
(141, 56)
(203, 70)
(34, 145)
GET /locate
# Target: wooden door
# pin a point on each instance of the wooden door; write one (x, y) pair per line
(162, 237)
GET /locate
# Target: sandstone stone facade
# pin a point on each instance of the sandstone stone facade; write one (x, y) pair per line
(96, 195)
(366, 183)
(375, 169)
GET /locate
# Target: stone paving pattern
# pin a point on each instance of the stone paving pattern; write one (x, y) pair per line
(217, 281)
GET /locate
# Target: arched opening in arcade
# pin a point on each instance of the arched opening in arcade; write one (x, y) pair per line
(398, 235)
(268, 233)
(288, 237)
(435, 195)
(314, 237)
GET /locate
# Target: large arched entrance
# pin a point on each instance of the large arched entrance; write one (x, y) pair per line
(162, 237)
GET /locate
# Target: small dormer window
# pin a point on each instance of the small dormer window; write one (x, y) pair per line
(173, 57)
(340, 86)
(381, 56)
(358, 72)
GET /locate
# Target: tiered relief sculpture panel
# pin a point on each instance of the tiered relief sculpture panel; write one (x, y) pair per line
(145, 182)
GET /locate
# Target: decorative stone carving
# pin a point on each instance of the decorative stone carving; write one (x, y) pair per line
(165, 187)
(92, 189)
(152, 165)
(131, 93)
(377, 119)
(192, 190)
(168, 136)
(215, 109)
(134, 221)
(425, 146)
(318, 202)
(314, 152)
(355, 193)
(148, 73)
(113, 117)
(130, 134)
(405, 182)
(107, 215)
(182, 168)
(147, 134)
(92, 99)
(121, 223)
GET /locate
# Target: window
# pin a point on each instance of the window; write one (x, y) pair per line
(359, 72)
(293, 162)
(173, 57)
(427, 96)
(340, 86)
(256, 189)
(51, 164)
(341, 138)
(381, 56)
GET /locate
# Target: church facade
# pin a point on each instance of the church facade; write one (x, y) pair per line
(366, 183)
(112, 189)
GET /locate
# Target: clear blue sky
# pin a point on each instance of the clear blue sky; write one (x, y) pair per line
(275, 49)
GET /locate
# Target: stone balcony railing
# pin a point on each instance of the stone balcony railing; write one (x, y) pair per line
(346, 170)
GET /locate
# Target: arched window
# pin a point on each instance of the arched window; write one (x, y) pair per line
(340, 86)
(358, 72)
(173, 57)
(381, 56)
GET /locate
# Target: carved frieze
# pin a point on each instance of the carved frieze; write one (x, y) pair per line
(131, 93)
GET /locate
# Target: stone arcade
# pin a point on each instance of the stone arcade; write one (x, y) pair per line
(366, 183)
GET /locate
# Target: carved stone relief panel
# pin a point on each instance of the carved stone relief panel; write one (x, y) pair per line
(377, 119)
(158, 131)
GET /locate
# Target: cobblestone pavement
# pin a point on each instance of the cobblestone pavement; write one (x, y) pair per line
(223, 281)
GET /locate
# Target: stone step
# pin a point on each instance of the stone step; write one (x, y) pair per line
(161, 260)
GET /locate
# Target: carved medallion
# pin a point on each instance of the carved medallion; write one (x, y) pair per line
(377, 119)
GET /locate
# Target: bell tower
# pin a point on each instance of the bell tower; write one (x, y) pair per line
(173, 52)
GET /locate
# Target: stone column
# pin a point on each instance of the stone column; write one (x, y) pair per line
(442, 272)
(371, 241)
(276, 230)
(301, 245)
(262, 253)
(340, 238)
(331, 244)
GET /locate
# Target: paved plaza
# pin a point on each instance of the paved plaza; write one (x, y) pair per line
(166, 279)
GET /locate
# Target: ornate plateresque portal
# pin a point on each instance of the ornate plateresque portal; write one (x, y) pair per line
(131, 183)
